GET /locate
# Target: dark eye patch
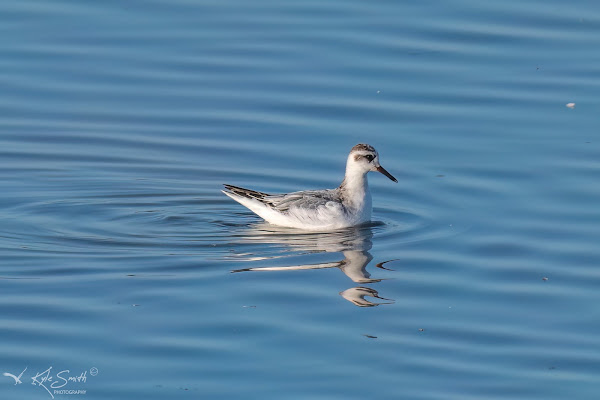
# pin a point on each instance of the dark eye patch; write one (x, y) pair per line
(369, 157)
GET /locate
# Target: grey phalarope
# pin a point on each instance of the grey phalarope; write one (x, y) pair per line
(320, 210)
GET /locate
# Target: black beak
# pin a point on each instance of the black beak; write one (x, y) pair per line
(383, 171)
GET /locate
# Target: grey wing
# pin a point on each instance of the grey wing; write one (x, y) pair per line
(310, 199)
(304, 200)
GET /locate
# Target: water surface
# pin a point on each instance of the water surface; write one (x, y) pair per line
(122, 261)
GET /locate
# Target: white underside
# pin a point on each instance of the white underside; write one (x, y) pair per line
(327, 217)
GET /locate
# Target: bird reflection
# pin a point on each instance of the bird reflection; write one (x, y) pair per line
(356, 295)
(353, 244)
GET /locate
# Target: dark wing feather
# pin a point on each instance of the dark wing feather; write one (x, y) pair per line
(250, 194)
(253, 194)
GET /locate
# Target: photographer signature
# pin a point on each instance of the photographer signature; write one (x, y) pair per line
(47, 380)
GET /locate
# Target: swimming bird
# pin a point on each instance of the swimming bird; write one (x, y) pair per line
(320, 210)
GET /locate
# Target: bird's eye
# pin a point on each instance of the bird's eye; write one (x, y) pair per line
(369, 157)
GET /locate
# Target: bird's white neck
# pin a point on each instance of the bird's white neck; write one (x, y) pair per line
(355, 188)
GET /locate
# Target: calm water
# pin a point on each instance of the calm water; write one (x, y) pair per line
(124, 264)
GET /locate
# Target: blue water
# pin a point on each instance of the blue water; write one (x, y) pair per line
(123, 263)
